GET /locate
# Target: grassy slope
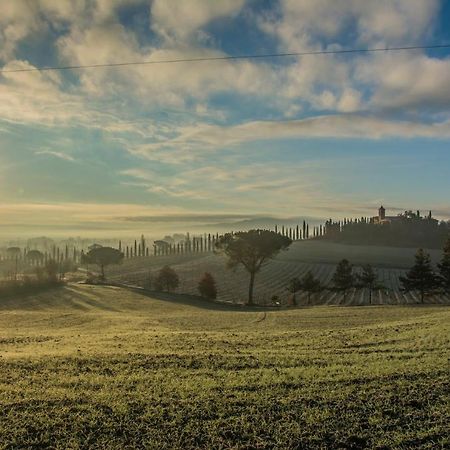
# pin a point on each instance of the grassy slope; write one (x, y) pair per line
(96, 367)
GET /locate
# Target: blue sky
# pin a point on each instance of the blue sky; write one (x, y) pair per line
(316, 136)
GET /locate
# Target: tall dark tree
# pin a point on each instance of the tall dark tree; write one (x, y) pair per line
(51, 269)
(293, 287)
(14, 254)
(368, 279)
(252, 249)
(344, 279)
(103, 257)
(295, 284)
(421, 276)
(310, 284)
(444, 267)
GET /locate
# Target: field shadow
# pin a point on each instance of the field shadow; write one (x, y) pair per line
(197, 301)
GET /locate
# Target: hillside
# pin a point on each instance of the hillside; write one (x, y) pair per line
(318, 256)
(98, 367)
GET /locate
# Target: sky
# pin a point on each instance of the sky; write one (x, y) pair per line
(114, 151)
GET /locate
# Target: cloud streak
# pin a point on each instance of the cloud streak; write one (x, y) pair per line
(59, 155)
(214, 137)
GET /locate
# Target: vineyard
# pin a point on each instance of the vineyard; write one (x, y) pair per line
(318, 257)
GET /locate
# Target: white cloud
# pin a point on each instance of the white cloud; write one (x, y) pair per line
(59, 155)
(177, 21)
(192, 142)
(18, 18)
(156, 85)
(304, 24)
(335, 82)
(109, 98)
(407, 81)
(350, 100)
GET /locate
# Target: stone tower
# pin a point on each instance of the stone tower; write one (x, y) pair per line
(381, 213)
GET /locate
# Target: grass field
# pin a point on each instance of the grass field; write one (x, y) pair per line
(320, 257)
(98, 367)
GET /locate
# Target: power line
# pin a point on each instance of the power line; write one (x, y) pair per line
(231, 57)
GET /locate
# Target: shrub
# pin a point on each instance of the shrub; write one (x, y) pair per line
(207, 287)
(167, 279)
(27, 286)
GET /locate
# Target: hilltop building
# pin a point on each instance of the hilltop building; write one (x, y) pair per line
(382, 218)
(407, 215)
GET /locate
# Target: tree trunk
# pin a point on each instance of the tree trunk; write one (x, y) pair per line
(422, 296)
(370, 296)
(103, 271)
(250, 288)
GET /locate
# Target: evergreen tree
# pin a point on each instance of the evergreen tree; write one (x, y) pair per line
(294, 285)
(420, 277)
(310, 284)
(444, 267)
(368, 279)
(344, 279)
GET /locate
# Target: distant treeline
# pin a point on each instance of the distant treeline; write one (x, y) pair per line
(406, 230)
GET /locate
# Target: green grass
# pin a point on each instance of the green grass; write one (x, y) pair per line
(98, 367)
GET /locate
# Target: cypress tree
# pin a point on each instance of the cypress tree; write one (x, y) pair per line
(420, 277)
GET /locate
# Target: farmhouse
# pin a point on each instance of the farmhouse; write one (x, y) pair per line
(382, 218)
